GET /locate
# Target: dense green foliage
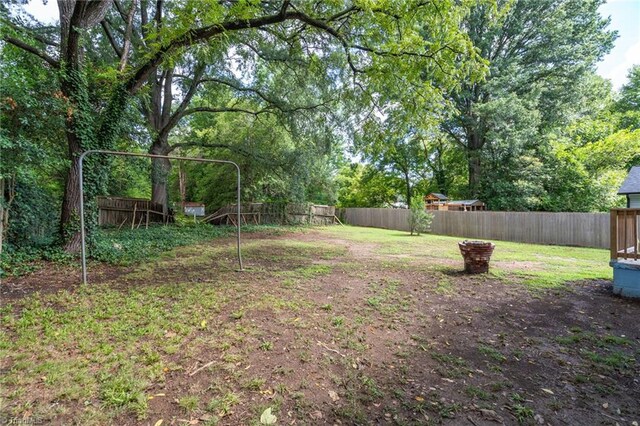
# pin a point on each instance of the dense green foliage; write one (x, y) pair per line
(129, 246)
(316, 66)
(540, 132)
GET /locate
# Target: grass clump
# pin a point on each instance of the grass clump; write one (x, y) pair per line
(123, 390)
(189, 403)
(492, 353)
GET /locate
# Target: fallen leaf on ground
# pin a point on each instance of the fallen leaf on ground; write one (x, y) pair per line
(316, 415)
(491, 415)
(267, 418)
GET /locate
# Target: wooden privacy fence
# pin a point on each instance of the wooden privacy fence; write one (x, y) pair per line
(565, 229)
(397, 219)
(274, 213)
(118, 211)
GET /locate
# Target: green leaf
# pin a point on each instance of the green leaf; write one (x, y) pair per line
(267, 418)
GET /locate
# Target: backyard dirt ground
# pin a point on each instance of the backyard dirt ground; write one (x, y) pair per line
(331, 326)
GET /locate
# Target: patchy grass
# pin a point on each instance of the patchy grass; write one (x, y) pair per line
(536, 266)
(338, 325)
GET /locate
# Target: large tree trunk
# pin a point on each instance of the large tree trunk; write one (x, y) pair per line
(407, 183)
(160, 168)
(71, 200)
(474, 152)
(475, 173)
(74, 17)
(439, 171)
(79, 131)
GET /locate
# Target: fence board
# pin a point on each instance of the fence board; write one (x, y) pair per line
(114, 211)
(564, 229)
(277, 213)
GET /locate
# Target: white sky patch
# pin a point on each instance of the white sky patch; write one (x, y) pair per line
(45, 13)
(617, 70)
(242, 69)
(625, 18)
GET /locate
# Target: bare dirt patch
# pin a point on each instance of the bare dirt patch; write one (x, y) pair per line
(350, 336)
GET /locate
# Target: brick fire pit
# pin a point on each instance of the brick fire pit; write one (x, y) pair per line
(476, 255)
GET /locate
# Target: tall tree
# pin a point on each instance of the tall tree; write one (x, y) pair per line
(380, 43)
(399, 152)
(538, 51)
(629, 102)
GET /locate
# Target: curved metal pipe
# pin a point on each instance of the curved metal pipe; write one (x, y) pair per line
(168, 157)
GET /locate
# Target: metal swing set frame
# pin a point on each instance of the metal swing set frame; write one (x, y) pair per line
(168, 157)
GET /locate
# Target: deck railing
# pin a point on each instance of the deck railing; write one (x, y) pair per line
(624, 234)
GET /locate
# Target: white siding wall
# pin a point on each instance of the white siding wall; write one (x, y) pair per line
(634, 201)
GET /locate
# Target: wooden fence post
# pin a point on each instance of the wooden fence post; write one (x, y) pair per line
(133, 218)
(614, 234)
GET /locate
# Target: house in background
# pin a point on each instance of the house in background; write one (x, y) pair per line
(466, 205)
(193, 209)
(437, 201)
(631, 188)
(435, 197)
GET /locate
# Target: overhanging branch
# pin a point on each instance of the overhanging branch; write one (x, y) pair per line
(28, 48)
(231, 148)
(193, 36)
(112, 40)
(221, 109)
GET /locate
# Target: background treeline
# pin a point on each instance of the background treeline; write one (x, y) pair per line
(348, 103)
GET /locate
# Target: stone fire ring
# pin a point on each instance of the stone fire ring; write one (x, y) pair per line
(476, 255)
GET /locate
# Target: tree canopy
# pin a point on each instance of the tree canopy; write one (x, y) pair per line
(359, 103)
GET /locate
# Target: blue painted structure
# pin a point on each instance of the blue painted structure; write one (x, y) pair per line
(626, 277)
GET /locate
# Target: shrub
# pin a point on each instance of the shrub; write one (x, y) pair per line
(419, 219)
